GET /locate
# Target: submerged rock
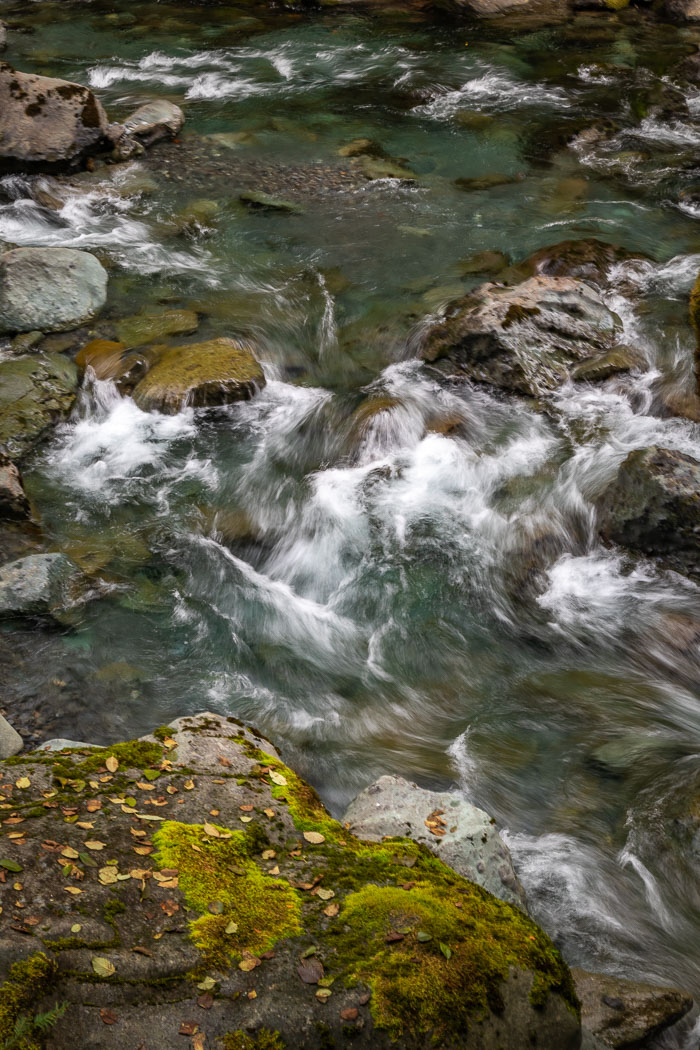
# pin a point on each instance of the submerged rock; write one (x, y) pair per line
(35, 392)
(49, 289)
(523, 339)
(38, 585)
(267, 924)
(47, 124)
(10, 740)
(589, 260)
(149, 328)
(212, 373)
(626, 1014)
(653, 505)
(458, 833)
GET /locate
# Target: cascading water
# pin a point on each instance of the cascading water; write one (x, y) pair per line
(382, 569)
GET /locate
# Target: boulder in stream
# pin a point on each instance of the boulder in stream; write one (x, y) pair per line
(35, 392)
(264, 924)
(457, 832)
(38, 585)
(627, 1014)
(653, 505)
(14, 504)
(155, 121)
(523, 339)
(47, 124)
(49, 289)
(200, 374)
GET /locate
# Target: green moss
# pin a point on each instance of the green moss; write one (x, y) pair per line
(263, 1039)
(27, 982)
(163, 732)
(457, 949)
(220, 872)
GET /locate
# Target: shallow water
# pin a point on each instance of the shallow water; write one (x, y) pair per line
(419, 590)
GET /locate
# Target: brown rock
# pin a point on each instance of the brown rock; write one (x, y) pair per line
(625, 1014)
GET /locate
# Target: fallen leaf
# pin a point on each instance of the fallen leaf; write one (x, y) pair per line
(188, 1028)
(95, 845)
(206, 1001)
(216, 907)
(138, 833)
(112, 764)
(447, 952)
(151, 774)
(393, 937)
(145, 787)
(278, 778)
(108, 875)
(23, 782)
(223, 761)
(102, 967)
(314, 837)
(232, 927)
(206, 984)
(350, 1013)
(324, 895)
(332, 910)
(249, 962)
(423, 937)
(92, 805)
(10, 865)
(169, 743)
(274, 871)
(170, 906)
(75, 890)
(86, 825)
(310, 970)
(76, 927)
(210, 830)
(108, 1016)
(142, 951)
(252, 994)
(269, 813)
(323, 994)
(188, 785)
(198, 1041)
(69, 852)
(246, 820)
(142, 851)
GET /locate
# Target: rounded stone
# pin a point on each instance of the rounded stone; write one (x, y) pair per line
(49, 289)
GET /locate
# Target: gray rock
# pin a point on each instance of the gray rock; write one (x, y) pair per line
(155, 121)
(35, 392)
(523, 339)
(37, 585)
(47, 124)
(462, 835)
(51, 289)
(13, 501)
(3, 35)
(10, 740)
(626, 1014)
(59, 743)
(653, 505)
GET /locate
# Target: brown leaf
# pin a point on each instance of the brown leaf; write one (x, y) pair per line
(332, 910)
(393, 937)
(350, 1013)
(112, 763)
(170, 906)
(142, 851)
(310, 970)
(364, 998)
(142, 951)
(223, 761)
(108, 1016)
(314, 837)
(206, 1001)
(188, 1028)
(246, 809)
(198, 1041)
(249, 962)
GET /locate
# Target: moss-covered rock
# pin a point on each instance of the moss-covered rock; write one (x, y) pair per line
(35, 392)
(193, 880)
(212, 373)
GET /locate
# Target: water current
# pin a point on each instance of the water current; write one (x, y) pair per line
(382, 570)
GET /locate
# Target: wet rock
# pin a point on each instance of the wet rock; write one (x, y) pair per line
(35, 392)
(14, 504)
(38, 585)
(51, 289)
(461, 835)
(150, 328)
(60, 743)
(485, 182)
(483, 263)
(26, 341)
(212, 373)
(682, 10)
(653, 506)
(689, 69)
(157, 120)
(299, 934)
(589, 260)
(620, 359)
(10, 740)
(3, 35)
(47, 124)
(523, 339)
(258, 201)
(626, 1014)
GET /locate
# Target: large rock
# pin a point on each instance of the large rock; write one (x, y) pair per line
(47, 124)
(38, 585)
(626, 1014)
(524, 339)
(10, 740)
(204, 890)
(458, 833)
(212, 373)
(14, 504)
(155, 121)
(588, 259)
(35, 392)
(49, 289)
(653, 505)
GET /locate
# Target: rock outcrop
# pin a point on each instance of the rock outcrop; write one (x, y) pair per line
(49, 289)
(200, 374)
(47, 124)
(458, 833)
(653, 506)
(191, 883)
(627, 1014)
(524, 339)
(35, 392)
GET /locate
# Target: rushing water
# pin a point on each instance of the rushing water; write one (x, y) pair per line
(417, 589)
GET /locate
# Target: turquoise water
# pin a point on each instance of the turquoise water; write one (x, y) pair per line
(415, 586)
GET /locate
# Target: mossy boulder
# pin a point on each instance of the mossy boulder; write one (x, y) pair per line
(192, 883)
(524, 339)
(35, 392)
(212, 373)
(653, 505)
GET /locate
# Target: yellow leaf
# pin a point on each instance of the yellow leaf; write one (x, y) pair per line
(314, 837)
(324, 895)
(108, 875)
(246, 820)
(73, 889)
(95, 845)
(332, 910)
(269, 813)
(188, 785)
(102, 967)
(274, 871)
(23, 782)
(143, 851)
(209, 829)
(248, 964)
(76, 928)
(231, 928)
(169, 743)
(112, 764)
(70, 853)
(198, 1041)
(268, 854)
(86, 825)
(278, 778)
